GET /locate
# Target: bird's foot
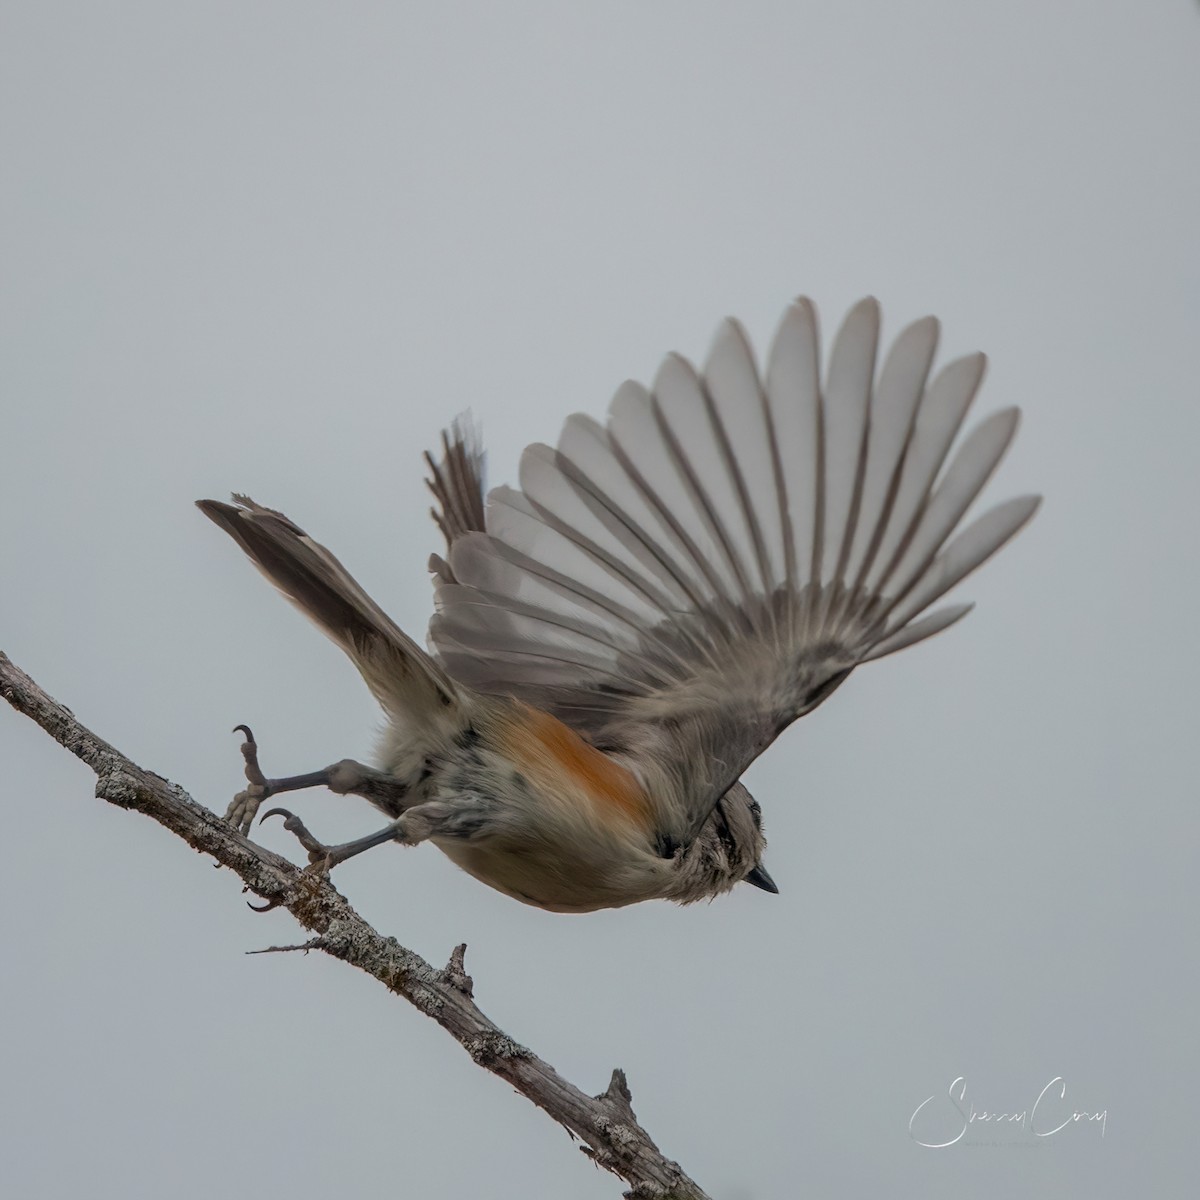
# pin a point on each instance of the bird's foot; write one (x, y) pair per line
(321, 858)
(343, 777)
(245, 805)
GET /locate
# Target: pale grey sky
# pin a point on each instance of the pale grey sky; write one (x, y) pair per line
(274, 247)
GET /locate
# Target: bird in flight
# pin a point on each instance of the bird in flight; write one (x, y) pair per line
(620, 637)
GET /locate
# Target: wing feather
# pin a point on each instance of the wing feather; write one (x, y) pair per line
(747, 448)
(962, 482)
(794, 411)
(847, 399)
(939, 418)
(901, 386)
(679, 409)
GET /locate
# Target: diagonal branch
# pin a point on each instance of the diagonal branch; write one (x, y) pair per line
(605, 1124)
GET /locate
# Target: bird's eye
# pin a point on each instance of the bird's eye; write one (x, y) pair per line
(756, 814)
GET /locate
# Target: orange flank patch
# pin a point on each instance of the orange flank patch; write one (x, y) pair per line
(557, 761)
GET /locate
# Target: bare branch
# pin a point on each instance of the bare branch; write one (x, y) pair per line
(606, 1125)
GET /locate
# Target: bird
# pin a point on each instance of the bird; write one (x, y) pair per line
(619, 637)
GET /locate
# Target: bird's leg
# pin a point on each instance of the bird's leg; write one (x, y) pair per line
(322, 858)
(325, 858)
(458, 818)
(345, 778)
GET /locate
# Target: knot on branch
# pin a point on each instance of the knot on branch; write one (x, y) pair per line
(455, 974)
(617, 1126)
(618, 1096)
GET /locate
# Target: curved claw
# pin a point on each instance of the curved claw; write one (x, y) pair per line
(244, 729)
(264, 908)
(318, 852)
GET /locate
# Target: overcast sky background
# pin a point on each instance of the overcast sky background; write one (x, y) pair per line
(275, 247)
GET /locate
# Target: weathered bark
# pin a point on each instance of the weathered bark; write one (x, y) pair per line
(610, 1133)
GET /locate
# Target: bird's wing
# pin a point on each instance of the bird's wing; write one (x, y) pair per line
(685, 580)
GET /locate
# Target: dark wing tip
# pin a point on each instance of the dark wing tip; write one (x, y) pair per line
(218, 511)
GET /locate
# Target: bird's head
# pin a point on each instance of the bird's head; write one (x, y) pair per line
(727, 851)
(742, 817)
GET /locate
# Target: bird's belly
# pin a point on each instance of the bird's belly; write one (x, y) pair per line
(573, 882)
(567, 828)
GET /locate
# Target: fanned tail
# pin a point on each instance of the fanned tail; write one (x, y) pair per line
(456, 481)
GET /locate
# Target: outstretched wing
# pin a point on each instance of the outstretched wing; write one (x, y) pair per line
(684, 581)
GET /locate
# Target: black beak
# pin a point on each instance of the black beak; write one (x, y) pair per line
(761, 879)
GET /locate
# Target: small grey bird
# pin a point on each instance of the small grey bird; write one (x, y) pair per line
(616, 641)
